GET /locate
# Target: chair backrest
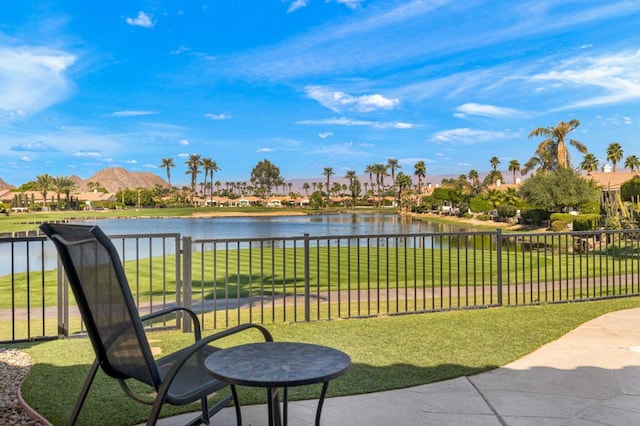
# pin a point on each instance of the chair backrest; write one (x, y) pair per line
(99, 284)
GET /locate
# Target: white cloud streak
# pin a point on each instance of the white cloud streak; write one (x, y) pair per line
(142, 20)
(338, 101)
(32, 78)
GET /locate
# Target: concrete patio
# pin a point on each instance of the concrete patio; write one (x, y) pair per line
(590, 376)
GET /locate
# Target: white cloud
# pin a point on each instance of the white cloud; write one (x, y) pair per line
(149, 166)
(132, 113)
(184, 142)
(338, 101)
(296, 4)
(25, 158)
(38, 146)
(344, 121)
(92, 153)
(131, 162)
(32, 79)
(265, 150)
(351, 4)
(468, 136)
(615, 78)
(325, 135)
(222, 116)
(471, 108)
(401, 125)
(142, 20)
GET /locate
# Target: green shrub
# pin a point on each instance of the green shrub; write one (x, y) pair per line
(483, 217)
(564, 217)
(534, 216)
(586, 222)
(480, 205)
(591, 207)
(559, 225)
(630, 189)
(506, 211)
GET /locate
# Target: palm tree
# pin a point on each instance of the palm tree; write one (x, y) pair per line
(370, 170)
(393, 164)
(350, 176)
(474, 176)
(632, 162)
(168, 164)
(380, 170)
(495, 161)
(555, 141)
(43, 184)
(209, 166)
(589, 163)
(328, 172)
(420, 170)
(193, 168)
(306, 186)
(62, 185)
(514, 166)
(614, 153)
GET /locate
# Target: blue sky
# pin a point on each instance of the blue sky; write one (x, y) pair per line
(309, 84)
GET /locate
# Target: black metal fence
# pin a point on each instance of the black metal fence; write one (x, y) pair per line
(311, 278)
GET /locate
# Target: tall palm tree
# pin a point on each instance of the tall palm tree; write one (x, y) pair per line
(44, 183)
(393, 164)
(370, 170)
(555, 141)
(193, 168)
(328, 172)
(62, 185)
(380, 170)
(209, 166)
(420, 170)
(350, 176)
(632, 162)
(167, 164)
(614, 153)
(495, 161)
(514, 166)
(589, 163)
(306, 186)
(474, 176)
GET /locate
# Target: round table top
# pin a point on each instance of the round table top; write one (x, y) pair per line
(277, 364)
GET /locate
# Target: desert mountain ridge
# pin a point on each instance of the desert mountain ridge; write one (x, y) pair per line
(112, 179)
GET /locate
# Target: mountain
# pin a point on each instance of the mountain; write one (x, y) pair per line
(115, 178)
(4, 185)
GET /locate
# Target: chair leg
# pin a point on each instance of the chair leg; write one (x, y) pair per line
(83, 393)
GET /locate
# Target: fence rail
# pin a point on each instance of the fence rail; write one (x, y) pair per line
(312, 278)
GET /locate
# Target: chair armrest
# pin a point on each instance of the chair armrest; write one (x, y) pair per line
(194, 317)
(193, 349)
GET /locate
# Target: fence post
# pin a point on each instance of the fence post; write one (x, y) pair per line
(63, 302)
(499, 264)
(307, 286)
(187, 283)
(178, 278)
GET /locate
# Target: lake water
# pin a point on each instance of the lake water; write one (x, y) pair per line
(274, 226)
(231, 227)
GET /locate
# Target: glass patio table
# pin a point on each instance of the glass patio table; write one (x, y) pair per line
(274, 365)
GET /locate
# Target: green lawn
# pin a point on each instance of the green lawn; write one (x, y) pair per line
(387, 353)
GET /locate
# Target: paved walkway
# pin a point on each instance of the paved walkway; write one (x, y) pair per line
(591, 376)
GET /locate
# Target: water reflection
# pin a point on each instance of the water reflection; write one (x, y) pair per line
(331, 226)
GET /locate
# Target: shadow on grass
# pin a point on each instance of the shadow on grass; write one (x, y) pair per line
(52, 390)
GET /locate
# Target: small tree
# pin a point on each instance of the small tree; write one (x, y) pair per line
(560, 188)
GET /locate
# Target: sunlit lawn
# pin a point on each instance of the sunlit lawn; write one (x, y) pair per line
(387, 353)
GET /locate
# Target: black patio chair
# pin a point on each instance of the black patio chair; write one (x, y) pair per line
(116, 330)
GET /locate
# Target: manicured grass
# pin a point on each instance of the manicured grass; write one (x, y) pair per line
(387, 353)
